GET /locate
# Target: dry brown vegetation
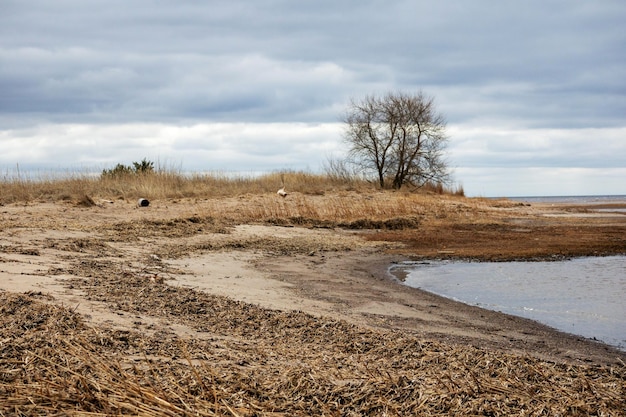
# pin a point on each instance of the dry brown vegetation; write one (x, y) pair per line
(258, 362)
(167, 184)
(246, 360)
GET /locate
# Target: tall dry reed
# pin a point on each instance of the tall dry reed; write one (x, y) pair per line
(164, 184)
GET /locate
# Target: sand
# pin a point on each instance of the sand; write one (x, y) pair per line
(78, 258)
(322, 271)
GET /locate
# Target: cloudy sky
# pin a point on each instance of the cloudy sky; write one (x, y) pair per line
(534, 92)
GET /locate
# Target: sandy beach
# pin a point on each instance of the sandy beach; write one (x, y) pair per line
(284, 309)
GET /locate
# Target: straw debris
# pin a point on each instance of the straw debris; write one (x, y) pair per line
(179, 351)
(253, 361)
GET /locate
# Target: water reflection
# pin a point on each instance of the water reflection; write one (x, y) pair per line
(583, 296)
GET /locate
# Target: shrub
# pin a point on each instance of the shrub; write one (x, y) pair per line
(144, 166)
(121, 170)
(118, 171)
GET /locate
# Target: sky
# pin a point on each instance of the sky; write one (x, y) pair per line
(533, 92)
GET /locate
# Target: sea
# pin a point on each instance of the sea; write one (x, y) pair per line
(574, 199)
(604, 203)
(583, 296)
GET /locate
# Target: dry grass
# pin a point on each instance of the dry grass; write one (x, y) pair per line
(167, 184)
(313, 200)
(247, 360)
(258, 362)
(162, 185)
(340, 209)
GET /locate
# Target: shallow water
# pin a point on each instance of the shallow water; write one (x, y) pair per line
(594, 203)
(584, 296)
(574, 199)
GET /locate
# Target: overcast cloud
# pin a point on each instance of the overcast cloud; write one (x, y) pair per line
(534, 92)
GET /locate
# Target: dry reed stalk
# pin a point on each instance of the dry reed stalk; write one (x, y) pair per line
(171, 183)
(264, 362)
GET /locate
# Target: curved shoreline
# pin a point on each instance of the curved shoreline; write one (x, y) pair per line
(577, 317)
(364, 292)
(341, 273)
(247, 317)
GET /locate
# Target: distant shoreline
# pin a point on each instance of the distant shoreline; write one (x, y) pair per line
(571, 199)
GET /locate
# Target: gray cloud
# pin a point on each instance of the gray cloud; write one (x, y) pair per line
(109, 57)
(496, 67)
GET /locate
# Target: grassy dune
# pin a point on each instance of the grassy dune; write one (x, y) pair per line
(234, 358)
(167, 184)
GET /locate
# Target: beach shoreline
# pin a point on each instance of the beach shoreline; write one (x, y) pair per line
(175, 272)
(336, 272)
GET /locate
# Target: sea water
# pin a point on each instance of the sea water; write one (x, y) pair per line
(573, 199)
(598, 203)
(584, 296)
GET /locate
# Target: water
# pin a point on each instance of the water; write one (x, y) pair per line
(573, 199)
(584, 296)
(597, 203)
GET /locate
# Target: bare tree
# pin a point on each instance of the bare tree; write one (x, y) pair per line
(400, 138)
